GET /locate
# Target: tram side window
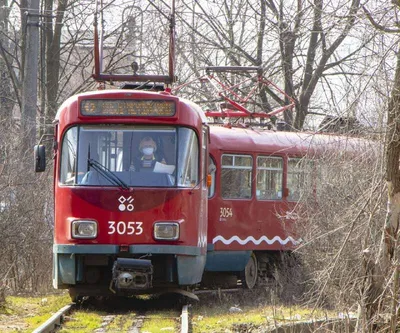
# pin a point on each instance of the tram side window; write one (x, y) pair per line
(236, 176)
(269, 178)
(299, 176)
(68, 160)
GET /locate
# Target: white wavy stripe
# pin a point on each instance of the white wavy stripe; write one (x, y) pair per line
(256, 241)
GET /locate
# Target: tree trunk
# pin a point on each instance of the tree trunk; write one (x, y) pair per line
(389, 245)
(6, 96)
(378, 273)
(53, 40)
(29, 83)
(391, 226)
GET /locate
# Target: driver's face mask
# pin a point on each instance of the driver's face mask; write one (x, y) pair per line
(148, 150)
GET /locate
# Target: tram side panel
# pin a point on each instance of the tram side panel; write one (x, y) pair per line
(246, 214)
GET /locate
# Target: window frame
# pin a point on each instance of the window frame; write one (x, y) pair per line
(282, 173)
(235, 167)
(62, 180)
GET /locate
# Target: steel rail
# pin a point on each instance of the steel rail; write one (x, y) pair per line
(54, 321)
(185, 320)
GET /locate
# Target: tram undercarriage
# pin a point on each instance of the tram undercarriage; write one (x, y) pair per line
(107, 275)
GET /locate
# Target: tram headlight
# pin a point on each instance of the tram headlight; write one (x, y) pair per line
(166, 231)
(84, 229)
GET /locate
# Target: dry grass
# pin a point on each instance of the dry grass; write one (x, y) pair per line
(249, 311)
(23, 313)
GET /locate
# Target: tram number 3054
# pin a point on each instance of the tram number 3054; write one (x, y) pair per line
(125, 228)
(225, 212)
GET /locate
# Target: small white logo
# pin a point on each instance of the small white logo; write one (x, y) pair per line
(125, 203)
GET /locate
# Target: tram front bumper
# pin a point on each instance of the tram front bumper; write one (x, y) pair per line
(68, 261)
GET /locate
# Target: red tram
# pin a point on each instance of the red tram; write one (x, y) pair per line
(119, 230)
(249, 201)
(259, 177)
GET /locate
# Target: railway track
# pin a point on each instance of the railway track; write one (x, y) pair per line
(131, 318)
(55, 321)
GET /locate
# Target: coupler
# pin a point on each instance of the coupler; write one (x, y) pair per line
(130, 274)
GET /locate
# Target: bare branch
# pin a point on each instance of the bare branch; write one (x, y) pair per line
(377, 25)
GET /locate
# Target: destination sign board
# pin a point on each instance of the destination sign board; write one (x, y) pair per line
(124, 108)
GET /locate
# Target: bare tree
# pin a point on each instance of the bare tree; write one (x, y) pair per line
(305, 38)
(381, 281)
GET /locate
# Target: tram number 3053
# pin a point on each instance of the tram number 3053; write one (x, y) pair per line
(125, 228)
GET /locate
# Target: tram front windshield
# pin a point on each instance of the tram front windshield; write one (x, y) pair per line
(129, 156)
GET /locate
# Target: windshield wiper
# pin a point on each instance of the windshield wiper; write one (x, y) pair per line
(107, 173)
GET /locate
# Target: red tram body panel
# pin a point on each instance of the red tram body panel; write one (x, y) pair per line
(249, 208)
(250, 222)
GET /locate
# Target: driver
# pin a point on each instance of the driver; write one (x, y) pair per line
(148, 156)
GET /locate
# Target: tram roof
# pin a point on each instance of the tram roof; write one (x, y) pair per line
(269, 141)
(119, 93)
